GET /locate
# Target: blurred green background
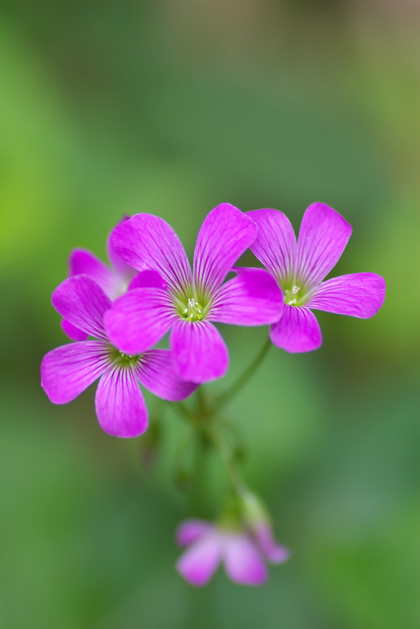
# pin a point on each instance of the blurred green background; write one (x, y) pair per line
(171, 107)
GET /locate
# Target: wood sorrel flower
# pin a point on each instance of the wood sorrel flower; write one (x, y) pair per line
(68, 370)
(299, 268)
(257, 521)
(188, 301)
(241, 552)
(113, 280)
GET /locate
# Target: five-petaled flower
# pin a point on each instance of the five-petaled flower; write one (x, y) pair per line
(68, 370)
(243, 553)
(299, 268)
(187, 301)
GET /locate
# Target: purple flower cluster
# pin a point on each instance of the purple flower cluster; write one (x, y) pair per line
(152, 289)
(116, 315)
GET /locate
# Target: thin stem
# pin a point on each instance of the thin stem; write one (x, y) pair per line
(227, 457)
(206, 423)
(199, 475)
(226, 397)
(236, 434)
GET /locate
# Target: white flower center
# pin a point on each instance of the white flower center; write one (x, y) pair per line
(193, 310)
(291, 296)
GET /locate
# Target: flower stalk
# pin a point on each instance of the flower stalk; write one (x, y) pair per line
(237, 386)
(209, 426)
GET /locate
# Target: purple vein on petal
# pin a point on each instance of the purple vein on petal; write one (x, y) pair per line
(275, 245)
(68, 370)
(297, 331)
(82, 302)
(84, 262)
(156, 372)
(147, 242)
(199, 351)
(224, 236)
(323, 236)
(251, 298)
(139, 319)
(356, 295)
(119, 403)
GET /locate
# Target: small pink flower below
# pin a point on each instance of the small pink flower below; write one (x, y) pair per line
(243, 554)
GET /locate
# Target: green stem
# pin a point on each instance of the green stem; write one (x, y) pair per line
(227, 457)
(237, 436)
(227, 396)
(197, 418)
(199, 480)
(206, 423)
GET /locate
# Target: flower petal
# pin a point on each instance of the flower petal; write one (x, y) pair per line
(323, 237)
(119, 403)
(139, 319)
(297, 331)
(199, 351)
(198, 564)
(357, 295)
(72, 332)
(275, 244)
(156, 372)
(120, 266)
(148, 242)
(243, 562)
(224, 236)
(81, 301)
(83, 262)
(68, 370)
(191, 530)
(251, 298)
(148, 279)
(268, 545)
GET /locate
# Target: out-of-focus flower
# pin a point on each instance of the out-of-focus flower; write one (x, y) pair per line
(257, 521)
(243, 554)
(299, 268)
(188, 301)
(114, 279)
(68, 370)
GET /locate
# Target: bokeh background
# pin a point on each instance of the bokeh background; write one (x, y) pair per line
(112, 107)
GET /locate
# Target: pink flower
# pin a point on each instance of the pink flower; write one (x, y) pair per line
(243, 553)
(188, 301)
(113, 280)
(68, 370)
(299, 268)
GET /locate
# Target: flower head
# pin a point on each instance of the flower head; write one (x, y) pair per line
(242, 552)
(257, 521)
(188, 301)
(299, 268)
(68, 370)
(113, 280)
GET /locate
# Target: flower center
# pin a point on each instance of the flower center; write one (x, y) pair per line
(193, 311)
(291, 295)
(295, 295)
(126, 361)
